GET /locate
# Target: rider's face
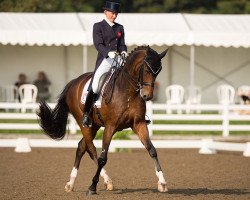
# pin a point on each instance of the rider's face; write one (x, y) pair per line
(111, 16)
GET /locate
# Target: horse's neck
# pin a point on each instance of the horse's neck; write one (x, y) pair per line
(127, 81)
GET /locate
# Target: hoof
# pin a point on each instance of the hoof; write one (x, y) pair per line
(68, 187)
(90, 192)
(109, 185)
(162, 187)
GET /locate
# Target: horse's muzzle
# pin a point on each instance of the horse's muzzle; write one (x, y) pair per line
(145, 97)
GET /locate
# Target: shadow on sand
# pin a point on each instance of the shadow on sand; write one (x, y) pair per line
(187, 192)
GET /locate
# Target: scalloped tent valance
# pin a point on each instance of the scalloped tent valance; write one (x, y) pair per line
(141, 29)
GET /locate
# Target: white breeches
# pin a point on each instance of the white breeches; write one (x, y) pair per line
(103, 68)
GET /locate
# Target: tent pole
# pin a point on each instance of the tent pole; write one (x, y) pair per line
(85, 59)
(65, 62)
(192, 65)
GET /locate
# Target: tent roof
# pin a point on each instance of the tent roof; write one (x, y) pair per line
(40, 29)
(140, 29)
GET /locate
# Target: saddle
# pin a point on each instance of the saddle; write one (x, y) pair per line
(105, 87)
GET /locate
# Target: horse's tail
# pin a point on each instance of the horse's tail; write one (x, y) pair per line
(54, 121)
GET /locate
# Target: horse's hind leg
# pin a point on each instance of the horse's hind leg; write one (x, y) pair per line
(142, 131)
(108, 184)
(81, 149)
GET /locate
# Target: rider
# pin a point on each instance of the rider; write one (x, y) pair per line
(108, 37)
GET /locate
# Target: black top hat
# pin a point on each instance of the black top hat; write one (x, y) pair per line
(112, 6)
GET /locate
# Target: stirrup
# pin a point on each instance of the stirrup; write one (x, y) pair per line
(147, 120)
(86, 121)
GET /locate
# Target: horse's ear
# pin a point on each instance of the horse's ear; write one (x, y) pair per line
(163, 53)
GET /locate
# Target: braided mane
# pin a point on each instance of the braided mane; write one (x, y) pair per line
(139, 48)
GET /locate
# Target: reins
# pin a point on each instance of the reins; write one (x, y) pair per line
(139, 83)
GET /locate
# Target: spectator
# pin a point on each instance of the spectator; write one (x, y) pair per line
(245, 96)
(21, 80)
(43, 85)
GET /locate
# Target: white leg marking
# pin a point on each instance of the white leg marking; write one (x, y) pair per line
(107, 181)
(70, 185)
(162, 185)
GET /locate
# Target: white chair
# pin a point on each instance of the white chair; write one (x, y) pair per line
(243, 90)
(175, 96)
(28, 94)
(193, 97)
(2, 94)
(225, 94)
(9, 93)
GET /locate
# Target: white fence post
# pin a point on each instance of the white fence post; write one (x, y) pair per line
(149, 113)
(22, 145)
(206, 147)
(246, 152)
(225, 121)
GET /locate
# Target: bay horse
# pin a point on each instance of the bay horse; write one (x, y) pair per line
(133, 87)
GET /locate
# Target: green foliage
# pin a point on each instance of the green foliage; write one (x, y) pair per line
(129, 6)
(122, 135)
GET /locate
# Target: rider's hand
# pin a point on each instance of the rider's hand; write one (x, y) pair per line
(112, 54)
(124, 54)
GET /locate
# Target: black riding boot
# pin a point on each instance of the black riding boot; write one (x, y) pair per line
(91, 97)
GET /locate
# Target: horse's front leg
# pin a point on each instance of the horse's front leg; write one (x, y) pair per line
(82, 148)
(102, 160)
(142, 130)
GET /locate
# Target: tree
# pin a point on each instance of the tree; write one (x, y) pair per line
(130, 6)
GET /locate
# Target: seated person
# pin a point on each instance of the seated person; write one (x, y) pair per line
(245, 97)
(43, 85)
(21, 80)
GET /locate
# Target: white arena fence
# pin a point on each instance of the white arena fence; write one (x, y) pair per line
(155, 112)
(223, 113)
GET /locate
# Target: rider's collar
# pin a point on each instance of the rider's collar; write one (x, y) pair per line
(109, 22)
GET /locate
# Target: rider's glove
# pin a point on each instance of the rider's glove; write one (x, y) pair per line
(119, 61)
(124, 54)
(112, 54)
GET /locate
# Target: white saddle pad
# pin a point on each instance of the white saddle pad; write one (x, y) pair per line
(85, 93)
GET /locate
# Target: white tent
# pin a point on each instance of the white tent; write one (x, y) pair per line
(151, 29)
(67, 29)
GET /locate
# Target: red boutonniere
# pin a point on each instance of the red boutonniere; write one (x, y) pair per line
(119, 35)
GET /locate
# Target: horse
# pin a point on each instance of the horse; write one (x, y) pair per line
(133, 86)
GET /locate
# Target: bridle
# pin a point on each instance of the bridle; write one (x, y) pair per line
(139, 83)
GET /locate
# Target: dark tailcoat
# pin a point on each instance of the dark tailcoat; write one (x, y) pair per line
(105, 39)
